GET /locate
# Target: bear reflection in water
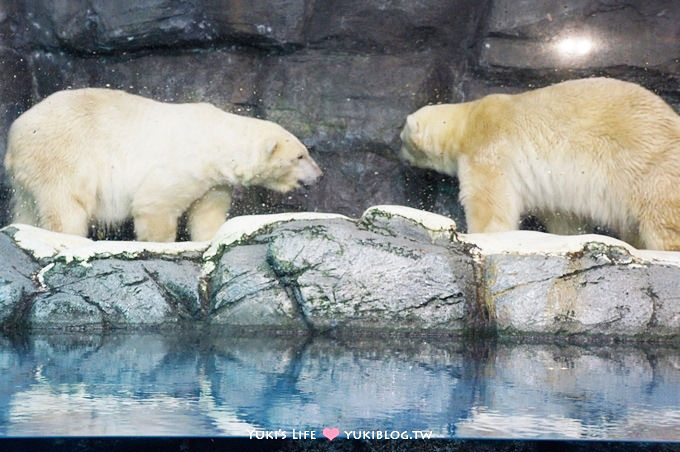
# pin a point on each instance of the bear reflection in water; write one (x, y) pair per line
(100, 156)
(598, 149)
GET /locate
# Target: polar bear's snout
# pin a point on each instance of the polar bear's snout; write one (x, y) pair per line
(311, 172)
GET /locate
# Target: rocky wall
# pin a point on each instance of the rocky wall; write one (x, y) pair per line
(394, 270)
(342, 75)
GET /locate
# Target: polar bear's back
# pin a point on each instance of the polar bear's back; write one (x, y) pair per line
(616, 126)
(603, 109)
(75, 119)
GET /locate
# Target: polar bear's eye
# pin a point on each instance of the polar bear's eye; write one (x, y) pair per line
(300, 156)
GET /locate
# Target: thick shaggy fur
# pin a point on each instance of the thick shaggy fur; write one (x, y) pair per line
(98, 155)
(598, 149)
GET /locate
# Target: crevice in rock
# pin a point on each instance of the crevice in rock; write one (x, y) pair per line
(106, 322)
(449, 300)
(514, 34)
(177, 307)
(580, 271)
(520, 285)
(370, 226)
(18, 318)
(603, 8)
(564, 276)
(653, 322)
(292, 288)
(205, 287)
(484, 317)
(230, 305)
(237, 43)
(137, 282)
(56, 288)
(389, 248)
(293, 291)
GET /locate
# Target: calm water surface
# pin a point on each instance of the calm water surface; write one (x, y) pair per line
(153, 384)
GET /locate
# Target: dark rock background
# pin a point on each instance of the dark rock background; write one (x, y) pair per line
(342, 75)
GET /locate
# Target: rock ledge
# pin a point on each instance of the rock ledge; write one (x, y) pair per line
(395, 269)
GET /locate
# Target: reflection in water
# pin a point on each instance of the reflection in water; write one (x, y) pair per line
(151, 384)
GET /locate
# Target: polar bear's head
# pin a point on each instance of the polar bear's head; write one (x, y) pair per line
(432, 137)
(286, 163)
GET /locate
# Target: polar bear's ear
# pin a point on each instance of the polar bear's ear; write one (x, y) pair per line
(412, 124)
(270, 147)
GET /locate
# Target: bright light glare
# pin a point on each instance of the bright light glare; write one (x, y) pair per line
(574, 46)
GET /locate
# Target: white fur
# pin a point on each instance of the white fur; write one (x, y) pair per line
(598, 150)
(97, 155)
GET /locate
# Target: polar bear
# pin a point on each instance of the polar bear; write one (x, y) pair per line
(596, 150)
(97, 155)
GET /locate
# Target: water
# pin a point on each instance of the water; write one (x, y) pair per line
(153, 384)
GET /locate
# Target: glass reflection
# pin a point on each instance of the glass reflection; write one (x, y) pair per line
(153, 384)
(574, 46)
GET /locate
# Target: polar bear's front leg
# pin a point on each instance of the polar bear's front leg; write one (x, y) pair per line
(158, 203)
(59, 211)
(209, 212)
(71, 220)
(24, 207)
(490, 202)
(159, 226)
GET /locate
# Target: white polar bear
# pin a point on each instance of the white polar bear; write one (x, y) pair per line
(597, 149)
(100, 156)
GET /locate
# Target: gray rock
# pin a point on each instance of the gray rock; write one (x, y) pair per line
(224, 78)
(395, 27)
(116, 293)
(397, 221)
(601, 290)
(382, 273)
(530, 34)
(100, 26)
(244, 291)
(663, 291)
(328, 98)
(343, 276)
(264, 23)
(13, 25)
(17, 287)
(15, 98)
(67, 311)
(395, 269)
